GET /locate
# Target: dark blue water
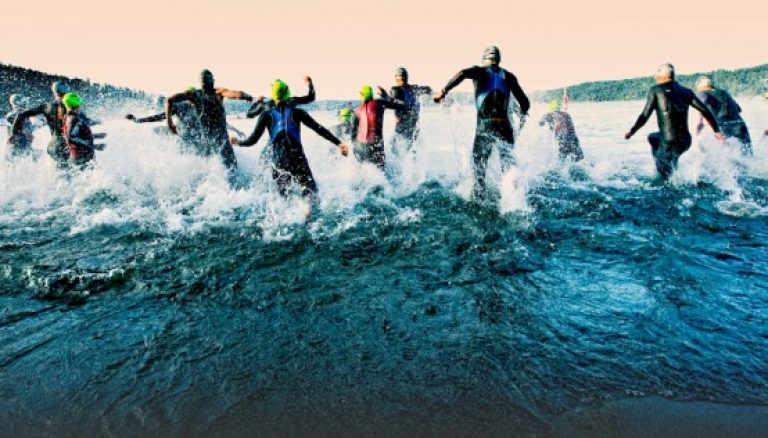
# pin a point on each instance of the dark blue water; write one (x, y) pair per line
(457, 319)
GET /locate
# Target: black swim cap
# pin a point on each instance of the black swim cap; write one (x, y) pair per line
(401, 73)
(206, 78)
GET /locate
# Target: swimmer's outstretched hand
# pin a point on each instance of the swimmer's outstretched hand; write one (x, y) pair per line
(628, 135)
(438, 97)
(234, 141)
(130, 116)
(719, 136)
(344, 149)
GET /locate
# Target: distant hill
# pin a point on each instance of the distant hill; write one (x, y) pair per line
(742, 82)
(37, 86)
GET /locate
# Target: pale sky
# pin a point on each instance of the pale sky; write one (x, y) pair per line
(161, 45)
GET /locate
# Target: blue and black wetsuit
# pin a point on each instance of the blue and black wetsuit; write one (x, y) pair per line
(728, 115)
(670, 100)
(493, 87)
(288, 160)
(407, 126)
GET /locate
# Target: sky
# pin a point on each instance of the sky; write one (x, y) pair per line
(160, 46)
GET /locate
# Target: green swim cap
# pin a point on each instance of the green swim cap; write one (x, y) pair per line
(345, 114)
(71, 100)
(190, 89)
(366, 93)
(280, 91)
(554, 105)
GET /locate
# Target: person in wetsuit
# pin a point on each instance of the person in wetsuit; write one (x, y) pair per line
(726, 111)
(287, 153)
(407, 125)
(670, 100)
(54, 113)
(561, 125)
(262, 105)
(20, 144)
(493, 87)
(209, 107)
(344, 129)
(77, 132)
(368, 127)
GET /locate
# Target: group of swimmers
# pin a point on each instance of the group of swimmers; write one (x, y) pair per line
(202, 123)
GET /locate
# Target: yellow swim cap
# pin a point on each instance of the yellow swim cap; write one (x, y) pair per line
(280, 91)
(366, 93)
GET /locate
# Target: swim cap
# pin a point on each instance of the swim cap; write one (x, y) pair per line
(401, 73)
(345, 114)
(665, 71)
(280, 91)
(71, 100)
(206, 79)
(59, 88)
(366, 93)
(554, 105)
(190, 89)
(704, 83)
(492, 53)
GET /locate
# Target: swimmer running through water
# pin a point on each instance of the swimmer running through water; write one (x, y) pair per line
(670, 100)
(289, 163)
(493, 88)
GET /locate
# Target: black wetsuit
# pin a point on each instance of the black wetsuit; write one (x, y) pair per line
(493, 87)
(670, 101)
(22, 141)
(79, 139)
(287, 153)
(728, 115)
(54, 113)
(368, 127)
(213, 127)
(561, 124)
(407, 126)
(266, 105)
(188, 124)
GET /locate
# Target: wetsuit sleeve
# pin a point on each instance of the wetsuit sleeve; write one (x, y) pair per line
(421, 89)
(396, 95)
(18, 122)
(303, 100)
(261, 125)
(392, 104)
(255, 110)
(467, 73)
(650, 104)
(699, 105)
(149, 119)
(514, 88)
(304, 118)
